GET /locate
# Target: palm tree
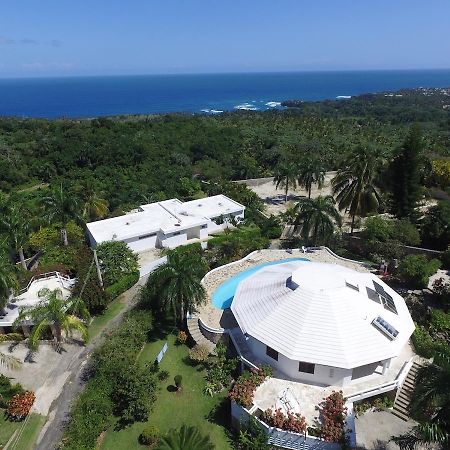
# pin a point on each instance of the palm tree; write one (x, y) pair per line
(316, 219)
(354, 184)
(286, 177)
(176, 284)
(9, 362)
(94, 205)
(185, 438)
(16, 227)
(311, 171)
(60, 206)
(8, 281)
(431, 403)
(57, 313)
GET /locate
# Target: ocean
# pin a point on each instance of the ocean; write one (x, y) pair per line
(78, 97)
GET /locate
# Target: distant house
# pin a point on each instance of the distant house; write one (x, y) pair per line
(167, 224)
(322, 324)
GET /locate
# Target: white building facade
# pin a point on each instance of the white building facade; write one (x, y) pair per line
(320, 323)
(167, 224)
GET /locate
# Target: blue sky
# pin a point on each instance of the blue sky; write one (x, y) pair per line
(62, 37)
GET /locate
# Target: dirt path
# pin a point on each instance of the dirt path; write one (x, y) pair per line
(59, 412)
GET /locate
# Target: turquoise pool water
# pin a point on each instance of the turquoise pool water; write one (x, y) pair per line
(224, 294)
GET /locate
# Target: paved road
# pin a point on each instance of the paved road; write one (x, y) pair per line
(59, 412)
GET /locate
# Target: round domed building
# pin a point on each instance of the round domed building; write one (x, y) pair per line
(321, 323)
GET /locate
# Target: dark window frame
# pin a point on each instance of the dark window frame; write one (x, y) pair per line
(306, 367)
(271, 353)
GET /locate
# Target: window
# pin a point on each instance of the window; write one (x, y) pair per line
(145, 236)
(386, 299)
(291, 284)
(204, 226)
(176, 233)
(306, 367)
(272, 353)
(373, 295)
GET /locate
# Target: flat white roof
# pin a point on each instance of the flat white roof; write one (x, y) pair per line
(31, 297)
(168, 216)
(321, 313)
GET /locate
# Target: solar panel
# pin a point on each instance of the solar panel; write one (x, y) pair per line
(373, 295)
(379, 288)
(385, 327)
(388, 303)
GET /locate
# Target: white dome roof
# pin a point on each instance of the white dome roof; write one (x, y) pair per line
(323, 313)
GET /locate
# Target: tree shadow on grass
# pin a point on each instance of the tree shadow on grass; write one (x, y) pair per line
(161, 329)
(220, 414)
(172, 388)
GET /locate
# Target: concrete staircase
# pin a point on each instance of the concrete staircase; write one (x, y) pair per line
(403, 398)
(197, 335)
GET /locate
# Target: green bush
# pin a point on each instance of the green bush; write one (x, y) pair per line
(425, 345)
(115, 371)
(150, 435)
(416, 270)
(445, 258)
(435, 229)
(117, 261)
(440, 320)
(122, 285)
(8, 390)
(11, 337)
(163, 375)
(178, 379)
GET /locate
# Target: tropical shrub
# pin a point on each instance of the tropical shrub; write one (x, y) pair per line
(163, 375)
(149, 436)
(426, 345)
(245, 386)
(289, 422)
(441, 172)
(441, 290)
(8, 390)
(182, 337)
(116, 261)
(20, 405)
(416, 270)
(199, 353)
(11, 337)
(178, 379)
(440, 320)
(252, 437)
(333, 414)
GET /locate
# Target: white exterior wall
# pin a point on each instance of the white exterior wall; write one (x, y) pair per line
(171, 241)
(324, 375)
(139, 245)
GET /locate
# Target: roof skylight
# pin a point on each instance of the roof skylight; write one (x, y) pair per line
(385, 327)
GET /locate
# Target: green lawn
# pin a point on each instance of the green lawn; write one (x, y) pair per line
(28, 436)
(171, 410)
(99, 322)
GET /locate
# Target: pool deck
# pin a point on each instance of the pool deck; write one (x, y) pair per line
(218, 319)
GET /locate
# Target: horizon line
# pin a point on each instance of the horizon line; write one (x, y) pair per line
(296, 71)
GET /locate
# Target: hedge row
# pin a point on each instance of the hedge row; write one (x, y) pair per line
(122, 285)
(97, 407)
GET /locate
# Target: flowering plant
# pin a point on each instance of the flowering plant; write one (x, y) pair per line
(182, 337)
(19, 406)
(333, 414)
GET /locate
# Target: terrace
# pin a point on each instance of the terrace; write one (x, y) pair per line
(29, 296)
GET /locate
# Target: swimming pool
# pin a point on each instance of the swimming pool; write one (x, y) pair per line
(224, 294)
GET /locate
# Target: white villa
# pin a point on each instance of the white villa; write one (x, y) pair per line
(168, 223)
(29, 296)
(322, 324)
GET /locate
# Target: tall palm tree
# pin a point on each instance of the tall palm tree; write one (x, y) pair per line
(316, 219)
(94, 205)
(185, 438)
(354, 184)
(8, 281)
(311, 171)
(286, 177)
(431, 404)
(16, 226)
(176, 284)
(57, 313)
(62, 207)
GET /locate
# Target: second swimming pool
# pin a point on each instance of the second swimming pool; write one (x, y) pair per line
(224, 294)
